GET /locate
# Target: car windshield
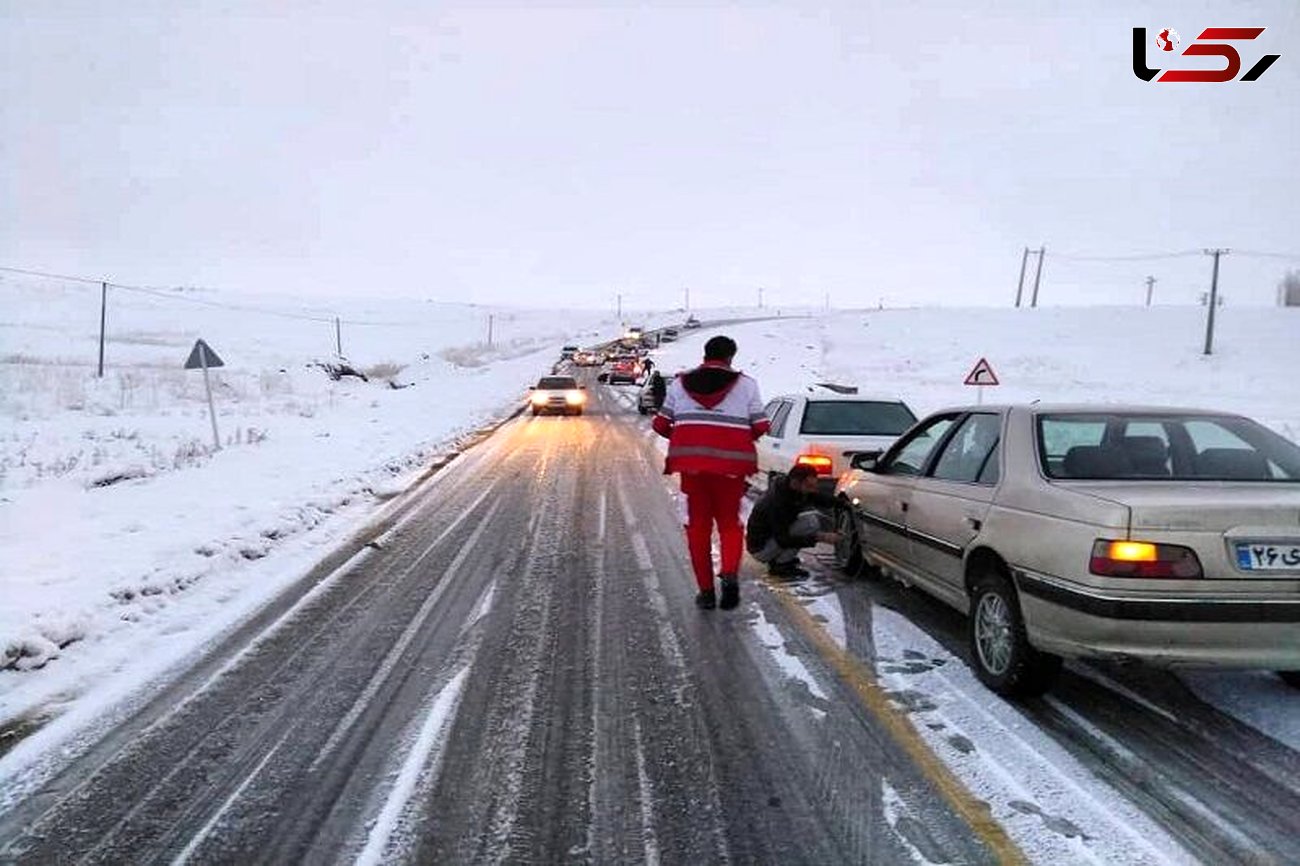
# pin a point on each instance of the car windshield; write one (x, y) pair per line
(856, 418)
(1166, 447)
(557, 383)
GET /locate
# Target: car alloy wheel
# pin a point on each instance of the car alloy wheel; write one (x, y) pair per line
(993, 634)
(1004, 659)
(848, 550)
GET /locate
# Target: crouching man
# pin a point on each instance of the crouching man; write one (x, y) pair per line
(786, 520)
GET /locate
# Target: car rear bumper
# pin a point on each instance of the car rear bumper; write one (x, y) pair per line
(1240, 630)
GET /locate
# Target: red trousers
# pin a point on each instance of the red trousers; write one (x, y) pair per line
(713, 499)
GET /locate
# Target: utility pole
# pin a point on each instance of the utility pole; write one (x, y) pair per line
(760, 297)
(338, 336)
(1038, 274)
(490, 317)
(1020, 284)
(1214, 299)
(1151, 283)
(620, 306)
(103, 315)
(688, 299)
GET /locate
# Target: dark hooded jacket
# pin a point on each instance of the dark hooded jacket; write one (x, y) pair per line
(776, 512)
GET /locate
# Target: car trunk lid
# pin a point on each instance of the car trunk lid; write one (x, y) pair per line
(1202, 506)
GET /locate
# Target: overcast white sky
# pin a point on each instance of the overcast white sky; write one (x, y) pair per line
(533, 155)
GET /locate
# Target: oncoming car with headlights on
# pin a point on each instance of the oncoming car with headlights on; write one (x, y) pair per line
(558, 395)
(1168, 536)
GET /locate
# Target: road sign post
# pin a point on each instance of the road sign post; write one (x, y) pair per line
(202, 357)
(981, 376)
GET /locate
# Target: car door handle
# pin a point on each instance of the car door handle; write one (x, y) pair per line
(974, 523)
(903, 505)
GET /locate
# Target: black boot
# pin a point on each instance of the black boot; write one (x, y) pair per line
(787, 570)
(730, 591)
(706, 599)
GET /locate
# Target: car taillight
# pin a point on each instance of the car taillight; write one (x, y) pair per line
(820, 463)
(1143, 559)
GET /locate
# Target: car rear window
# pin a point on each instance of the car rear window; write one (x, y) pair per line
(856, 418)
(1109, 446)
(557, 383)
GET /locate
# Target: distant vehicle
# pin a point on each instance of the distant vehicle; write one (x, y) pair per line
(624, 369)
(634, 332)
(668, 335)
(567, 353)
(691, 322)
(558, 394)
(645, 398)
(1160, 535)
(826, 430)
(584, 358)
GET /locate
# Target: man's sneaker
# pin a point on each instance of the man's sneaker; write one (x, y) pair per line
(706, 599)
(730, 592)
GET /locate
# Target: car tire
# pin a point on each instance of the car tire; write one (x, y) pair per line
(1291, 678)
(848, 552)
(1003, 658)
(643, 410)
(536, 413)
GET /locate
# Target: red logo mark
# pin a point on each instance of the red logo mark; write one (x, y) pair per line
(1168, 39)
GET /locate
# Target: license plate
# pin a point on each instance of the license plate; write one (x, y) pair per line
(1268, 557)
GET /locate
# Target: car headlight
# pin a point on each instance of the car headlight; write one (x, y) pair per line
(538, 398)
(575, 398)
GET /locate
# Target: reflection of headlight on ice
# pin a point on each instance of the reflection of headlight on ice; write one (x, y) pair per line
(575, 398)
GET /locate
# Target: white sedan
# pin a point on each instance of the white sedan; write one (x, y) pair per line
(825, 431)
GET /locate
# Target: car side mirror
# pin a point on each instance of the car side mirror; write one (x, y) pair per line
(532, 387)
(866, 460)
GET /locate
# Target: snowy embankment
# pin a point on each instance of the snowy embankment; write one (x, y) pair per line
(127, 539)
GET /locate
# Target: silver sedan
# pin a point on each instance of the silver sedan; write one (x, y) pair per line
(1169, 536)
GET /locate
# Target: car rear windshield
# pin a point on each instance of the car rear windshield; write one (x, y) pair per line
(856, 418)
(558, 383)
(1109, 446)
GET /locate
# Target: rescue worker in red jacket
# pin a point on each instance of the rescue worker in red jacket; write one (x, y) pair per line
(711, 417)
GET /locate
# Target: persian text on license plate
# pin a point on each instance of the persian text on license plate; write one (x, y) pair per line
(1268, 557)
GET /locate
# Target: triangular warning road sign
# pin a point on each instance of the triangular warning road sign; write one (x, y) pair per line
(982, 374)
(208, 358)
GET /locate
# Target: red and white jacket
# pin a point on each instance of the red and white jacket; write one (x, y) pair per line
(711, 417)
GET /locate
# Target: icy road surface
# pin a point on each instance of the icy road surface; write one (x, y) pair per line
(515, 672)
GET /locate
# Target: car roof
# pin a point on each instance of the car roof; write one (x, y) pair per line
(1086, 408)
(831, 396)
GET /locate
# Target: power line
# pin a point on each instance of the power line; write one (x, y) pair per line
(1142, 257)
(1257, 254)
(171, 295)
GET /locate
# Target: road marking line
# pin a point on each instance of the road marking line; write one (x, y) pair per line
(872, 696)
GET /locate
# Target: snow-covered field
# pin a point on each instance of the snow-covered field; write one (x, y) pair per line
(127, 538)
